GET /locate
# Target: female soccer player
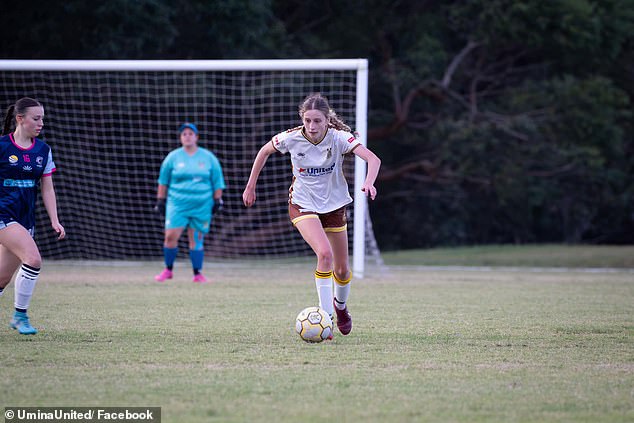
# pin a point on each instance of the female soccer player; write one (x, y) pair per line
(190, 188)
(25, 163)
(319, 194)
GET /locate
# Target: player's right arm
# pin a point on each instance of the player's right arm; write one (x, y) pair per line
(165, 175)
(248, 196)
(161, 200)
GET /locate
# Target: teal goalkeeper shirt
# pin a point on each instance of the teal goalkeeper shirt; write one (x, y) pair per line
(191, 181)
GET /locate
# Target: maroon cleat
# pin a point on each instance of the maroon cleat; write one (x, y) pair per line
(344, 320)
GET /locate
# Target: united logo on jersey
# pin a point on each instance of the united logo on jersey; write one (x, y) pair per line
(316, 171)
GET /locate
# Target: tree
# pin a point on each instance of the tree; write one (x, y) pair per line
(141, 29)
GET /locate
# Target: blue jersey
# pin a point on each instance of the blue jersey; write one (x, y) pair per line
(20, 172)
(191, 181)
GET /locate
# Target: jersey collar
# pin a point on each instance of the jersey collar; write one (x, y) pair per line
(308, 139)
(20, 147)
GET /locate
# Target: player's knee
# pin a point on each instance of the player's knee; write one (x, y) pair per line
(171, 240)
(197, 242)
(325, 257)
(342, 274)
(33, 259)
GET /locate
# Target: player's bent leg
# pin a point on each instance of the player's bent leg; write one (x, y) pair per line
(344, 319)
(19, 242)
(342, 277)
(323, 283)
(25, 281)
(19, 246)
(9, 263)
(313, 233)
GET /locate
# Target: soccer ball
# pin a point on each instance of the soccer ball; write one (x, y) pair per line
(313, 324)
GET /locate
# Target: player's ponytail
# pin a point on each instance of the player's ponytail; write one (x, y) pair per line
(19, 108)
(8, 120)
(337, 123)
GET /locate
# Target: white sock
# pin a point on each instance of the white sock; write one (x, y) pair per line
(323, 282)
(25, 282)
(342, 291)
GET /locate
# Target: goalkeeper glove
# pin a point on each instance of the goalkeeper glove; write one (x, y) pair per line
(160, 206)
(218, 203)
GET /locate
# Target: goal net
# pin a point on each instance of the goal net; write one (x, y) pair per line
(111, 123)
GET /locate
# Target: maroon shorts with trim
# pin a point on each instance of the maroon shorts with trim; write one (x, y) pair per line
(334, 221)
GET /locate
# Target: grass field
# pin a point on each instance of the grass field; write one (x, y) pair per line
(427, 346)
(557, 256)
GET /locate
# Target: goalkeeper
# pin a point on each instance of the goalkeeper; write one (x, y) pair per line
(318, 195)
(190, 186)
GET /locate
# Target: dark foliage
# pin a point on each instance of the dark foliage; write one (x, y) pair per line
(497, 121)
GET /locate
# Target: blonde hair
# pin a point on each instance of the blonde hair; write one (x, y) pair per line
(316, 101)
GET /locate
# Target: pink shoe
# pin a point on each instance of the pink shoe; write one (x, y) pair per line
(199, 278)
(165, 274)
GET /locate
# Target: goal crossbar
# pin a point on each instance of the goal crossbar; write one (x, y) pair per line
(185, 65)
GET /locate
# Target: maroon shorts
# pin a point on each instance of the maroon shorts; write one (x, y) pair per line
(334, 221)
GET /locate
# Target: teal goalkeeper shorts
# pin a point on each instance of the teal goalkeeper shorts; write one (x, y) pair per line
(195, 219)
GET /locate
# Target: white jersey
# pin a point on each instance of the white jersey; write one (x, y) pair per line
(319, 184)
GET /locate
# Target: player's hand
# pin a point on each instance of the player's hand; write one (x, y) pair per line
(248, 196)
(370, 191)
(160, 206)
(61, 232)
(218, 204)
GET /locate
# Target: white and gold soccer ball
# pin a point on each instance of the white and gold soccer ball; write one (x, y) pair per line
(313, 324)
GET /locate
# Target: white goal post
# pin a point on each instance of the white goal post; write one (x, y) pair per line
(109, 115)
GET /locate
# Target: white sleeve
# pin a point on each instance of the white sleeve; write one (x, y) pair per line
(348, 140)
(50, 165)
(279, 143)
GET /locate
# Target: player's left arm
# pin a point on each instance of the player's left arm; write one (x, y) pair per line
(218, 184)
(374, 163)
(50, 203)
(218, 203)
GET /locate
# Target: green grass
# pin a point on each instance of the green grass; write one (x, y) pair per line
(525, 255)
(427, 346)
